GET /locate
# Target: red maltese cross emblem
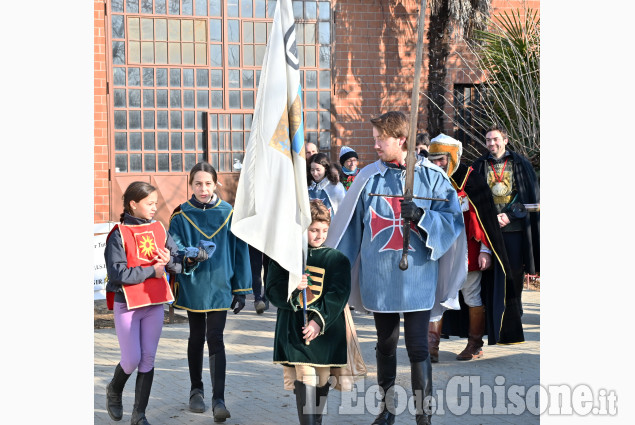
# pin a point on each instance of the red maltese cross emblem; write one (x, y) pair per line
(380, 223)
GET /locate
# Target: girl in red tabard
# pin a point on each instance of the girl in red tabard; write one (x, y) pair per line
(137, 252)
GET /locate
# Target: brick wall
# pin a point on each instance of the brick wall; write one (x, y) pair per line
(374, 67)
(373, 72)
(101, 125)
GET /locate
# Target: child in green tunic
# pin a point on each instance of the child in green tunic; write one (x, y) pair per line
(307, 352)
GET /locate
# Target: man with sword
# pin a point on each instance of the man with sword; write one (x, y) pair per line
(368, 230)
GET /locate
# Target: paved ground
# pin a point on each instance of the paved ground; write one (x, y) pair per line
(254, 393)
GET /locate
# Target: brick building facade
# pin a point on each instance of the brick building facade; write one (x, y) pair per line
(365, 48)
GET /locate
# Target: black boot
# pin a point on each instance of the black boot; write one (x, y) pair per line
(195, 365)
(322, 395)
(386, 374)
(305, 397)
(421, 378)
(141, 397)
(217, 366)
(113, 393)
(197, 405)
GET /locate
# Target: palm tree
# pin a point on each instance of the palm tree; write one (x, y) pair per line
(447, 17)
(507, 55)
(510, 55)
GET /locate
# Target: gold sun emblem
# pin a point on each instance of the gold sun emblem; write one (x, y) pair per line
(147, 246)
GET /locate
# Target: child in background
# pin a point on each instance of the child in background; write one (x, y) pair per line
(328, 284)
(324, 184)
(137, 252)
(210, 288)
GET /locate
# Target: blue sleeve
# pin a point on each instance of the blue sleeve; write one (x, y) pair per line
(241, 280)
(179, 238)
(441, 222)
(351, 241)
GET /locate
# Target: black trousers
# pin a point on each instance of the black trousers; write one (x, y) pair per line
(415, 333)
(207, 325)
(258, 260)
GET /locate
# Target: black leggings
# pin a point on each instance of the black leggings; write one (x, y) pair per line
(415, 333)
(210, 326)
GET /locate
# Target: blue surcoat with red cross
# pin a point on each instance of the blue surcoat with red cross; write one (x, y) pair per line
(374, 236)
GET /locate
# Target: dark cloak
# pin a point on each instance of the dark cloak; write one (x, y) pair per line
(527, 186)
(493, 282)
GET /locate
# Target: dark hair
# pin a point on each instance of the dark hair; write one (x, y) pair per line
(205, 167)
(136, 191)
(329, 172)
(423, 139)
(392, 124)
(498, 128)
(337, 168)
(319, 212)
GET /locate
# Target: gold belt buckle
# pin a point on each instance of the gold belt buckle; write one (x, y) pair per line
(502, 199)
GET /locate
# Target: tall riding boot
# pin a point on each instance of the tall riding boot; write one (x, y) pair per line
(434, 337)
(217, 366)
(141, 397)
(322, 395)
(474, 348)
(195, 365)
(305, 400)
(421, 378)
(386, 374)
(113, 393)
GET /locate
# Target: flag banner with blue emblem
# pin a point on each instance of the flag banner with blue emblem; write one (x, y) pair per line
(271, 211)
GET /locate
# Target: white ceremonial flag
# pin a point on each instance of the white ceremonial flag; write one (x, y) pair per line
(271, 211)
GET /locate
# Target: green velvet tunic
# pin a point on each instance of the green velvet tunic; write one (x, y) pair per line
(333, 269)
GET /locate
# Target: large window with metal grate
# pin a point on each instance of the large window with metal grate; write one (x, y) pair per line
(183, 77)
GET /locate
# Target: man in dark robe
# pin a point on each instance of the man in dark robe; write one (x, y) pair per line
(514, 186)
(482, 296)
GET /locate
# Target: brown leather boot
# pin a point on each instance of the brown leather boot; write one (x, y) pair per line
(474, 348)
(434, 337)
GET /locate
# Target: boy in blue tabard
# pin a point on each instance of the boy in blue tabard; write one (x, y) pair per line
(367, 229)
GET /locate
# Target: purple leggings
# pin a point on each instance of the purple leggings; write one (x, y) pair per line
(138, 332)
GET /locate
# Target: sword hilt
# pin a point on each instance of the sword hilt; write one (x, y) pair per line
(405, 230)
(403, 263)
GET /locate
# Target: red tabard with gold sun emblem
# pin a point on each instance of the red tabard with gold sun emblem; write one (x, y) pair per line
(141, 243)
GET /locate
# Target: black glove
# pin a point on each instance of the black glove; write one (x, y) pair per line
(196, 255)
(238, 303)
(410, 211)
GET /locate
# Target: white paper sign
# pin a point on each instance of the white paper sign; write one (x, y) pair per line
(99, 244)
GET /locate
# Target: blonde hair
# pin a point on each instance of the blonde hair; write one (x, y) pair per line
(319, 212)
